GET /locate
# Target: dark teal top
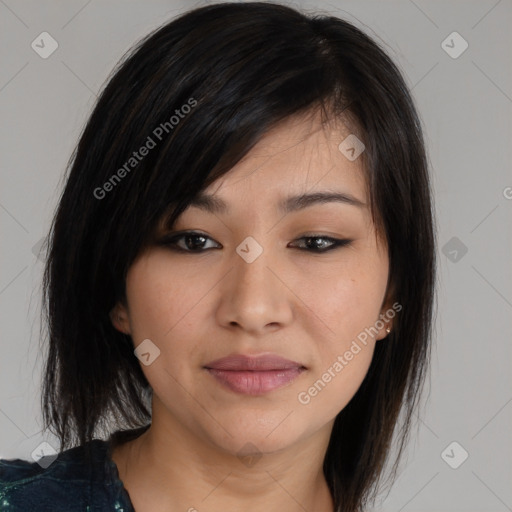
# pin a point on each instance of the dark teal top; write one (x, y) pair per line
(69, 483)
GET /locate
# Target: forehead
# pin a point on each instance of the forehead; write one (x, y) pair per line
(299, 155)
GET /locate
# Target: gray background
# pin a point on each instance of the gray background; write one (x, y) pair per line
(466, 106)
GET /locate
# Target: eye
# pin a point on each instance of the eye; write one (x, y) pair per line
(320, 243)
(191, 242)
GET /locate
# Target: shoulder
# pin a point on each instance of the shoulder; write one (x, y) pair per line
(66, 483)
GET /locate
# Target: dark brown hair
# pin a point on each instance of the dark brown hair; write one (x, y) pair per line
(240, 68)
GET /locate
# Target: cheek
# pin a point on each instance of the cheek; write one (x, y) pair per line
(164, 306)
(161, 300)
(348, 304)
(345, 301)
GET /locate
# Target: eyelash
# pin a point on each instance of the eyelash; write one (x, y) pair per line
(170, 241)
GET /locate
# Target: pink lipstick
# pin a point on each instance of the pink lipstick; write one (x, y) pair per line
(254, 375)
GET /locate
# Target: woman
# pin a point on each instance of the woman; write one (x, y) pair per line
(240, 279)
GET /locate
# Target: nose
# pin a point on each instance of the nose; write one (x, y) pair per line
(255, 296)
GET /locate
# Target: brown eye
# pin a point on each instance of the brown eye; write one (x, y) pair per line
(188, 241)
(320, 244)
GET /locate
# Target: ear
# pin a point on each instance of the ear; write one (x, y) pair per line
(383, 316)
(120, 318)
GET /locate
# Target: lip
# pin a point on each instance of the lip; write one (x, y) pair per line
(254, 375)
(241, 362)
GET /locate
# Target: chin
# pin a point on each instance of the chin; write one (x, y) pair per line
(259, 434)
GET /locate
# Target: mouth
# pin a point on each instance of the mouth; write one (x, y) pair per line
(251, 375)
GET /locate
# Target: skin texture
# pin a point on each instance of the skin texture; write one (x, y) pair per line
(305, 306)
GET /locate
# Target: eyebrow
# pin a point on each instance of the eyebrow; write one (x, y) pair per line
(213, 204)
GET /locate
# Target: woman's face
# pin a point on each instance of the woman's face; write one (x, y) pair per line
(255, 281)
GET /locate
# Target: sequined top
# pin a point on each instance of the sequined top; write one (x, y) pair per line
(68, 483)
